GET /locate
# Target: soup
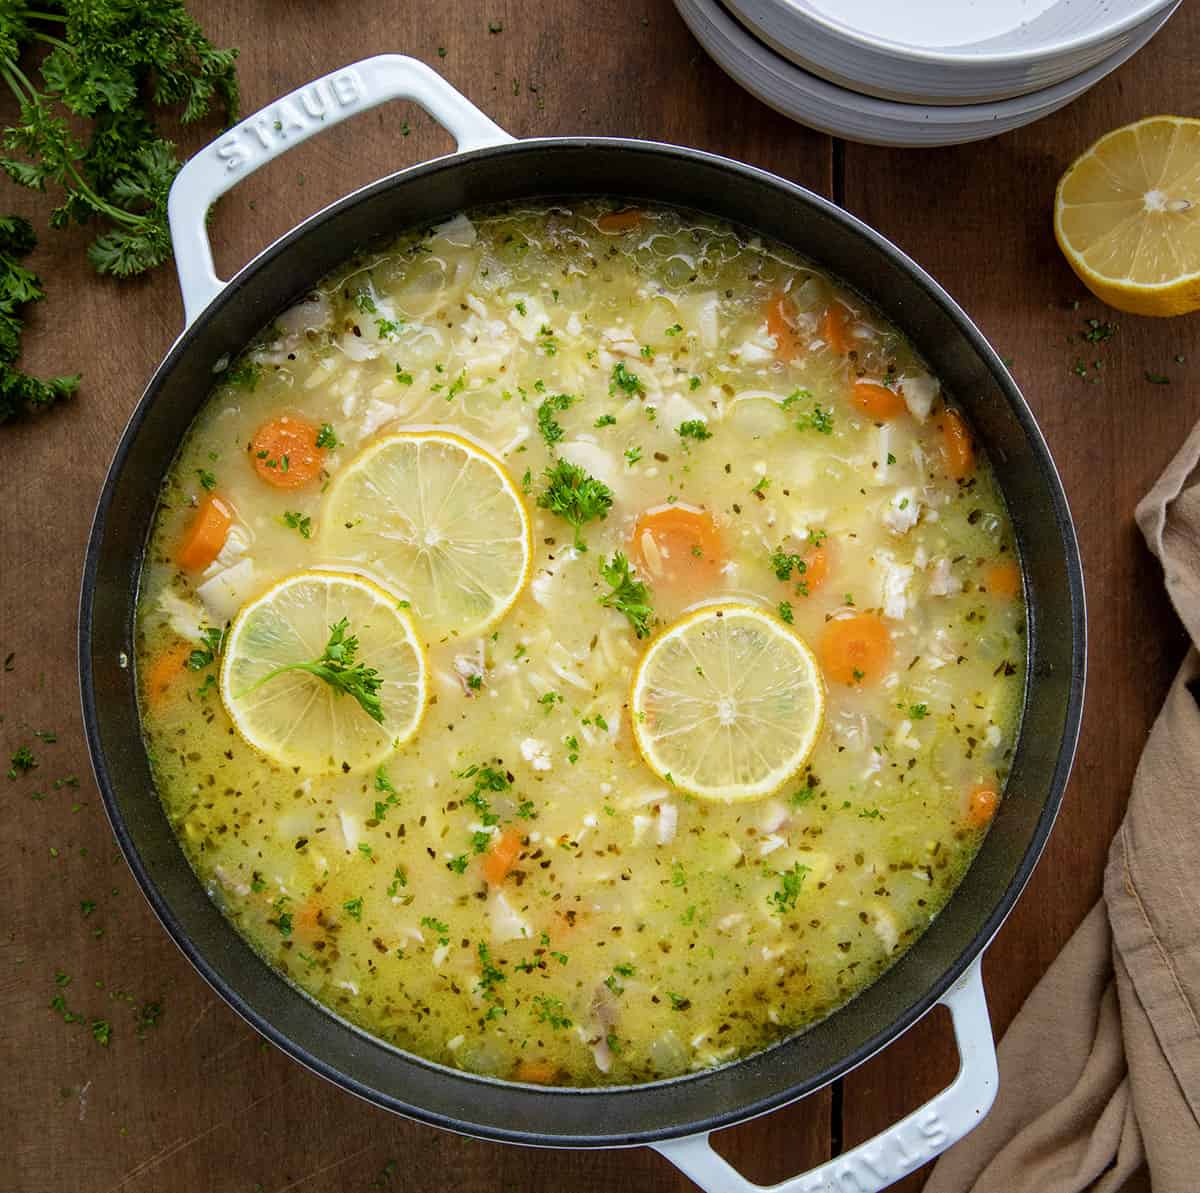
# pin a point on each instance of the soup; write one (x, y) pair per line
(580, 645)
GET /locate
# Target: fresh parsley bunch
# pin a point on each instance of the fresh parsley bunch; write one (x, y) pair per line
(108, 64)
(109, 61)
(20, 393)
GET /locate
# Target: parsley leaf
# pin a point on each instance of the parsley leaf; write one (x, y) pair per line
(295, 520)
(629, 596)
(575, 497)
(624, 380)
(337, 667)
(790, 883)
(694, 428)
(21, 394)
(548, 425)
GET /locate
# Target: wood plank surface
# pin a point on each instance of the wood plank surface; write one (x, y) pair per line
(201, 1105)
(979, 218)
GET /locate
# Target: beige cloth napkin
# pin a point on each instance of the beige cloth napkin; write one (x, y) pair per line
(1100, 1070)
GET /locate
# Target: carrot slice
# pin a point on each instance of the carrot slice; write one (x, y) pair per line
(165, 672)
(614, 222)
(856, 650)
(877, 402)
(206, 535)
(834, 329)
(306, 921)
(982, 805)
(957, 449)
(677, 546)
(1002, 579)
(788, 345)
(502, 856)
(816, 568)
(286, 454)
(536, 1072)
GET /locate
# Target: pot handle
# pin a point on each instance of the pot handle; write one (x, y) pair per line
(310, 109)
(902, 1148)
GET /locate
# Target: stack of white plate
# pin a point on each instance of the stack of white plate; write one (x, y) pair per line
(921, 72)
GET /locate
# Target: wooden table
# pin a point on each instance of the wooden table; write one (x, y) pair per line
(200, 1104)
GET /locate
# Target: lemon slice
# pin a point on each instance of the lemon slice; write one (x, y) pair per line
(439, 521)
(296, 717)
(727, 703)
(1127, 216)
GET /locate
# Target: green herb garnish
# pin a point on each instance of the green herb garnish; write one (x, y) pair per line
(694, 428)
(629, 596)
(575, 497)
(336, 665)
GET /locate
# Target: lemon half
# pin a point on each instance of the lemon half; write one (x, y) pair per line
(1127, 216)
(439, 521)
(298, 718)
(728, 703)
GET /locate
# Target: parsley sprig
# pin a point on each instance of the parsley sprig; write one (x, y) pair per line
(575, 497)
(338, 668)
(19, 392)
(109, 61)
(629, 595)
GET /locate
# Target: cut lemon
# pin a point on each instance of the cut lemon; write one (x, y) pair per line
(727, 703)
(312, 719)
(1127, 217)
(439, 521)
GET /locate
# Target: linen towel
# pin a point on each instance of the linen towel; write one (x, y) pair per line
(1100, 1070)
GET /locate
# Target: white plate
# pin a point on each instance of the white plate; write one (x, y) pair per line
(946, 51)
(843, 113)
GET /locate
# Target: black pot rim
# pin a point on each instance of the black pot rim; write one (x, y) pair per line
(741, 1112)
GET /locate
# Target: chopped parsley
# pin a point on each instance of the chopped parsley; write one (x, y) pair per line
(575, 497)
(918, 712)
(327, 437)
(213, 642)
(693, 428)
(403, 377)
(790, 882)
(632, 455)
(439, 927)
(551, 1011)
(625, 381)
(548, 425)
(207, 479)
(605, 420)
(354, 908)
(391, 797)
(785, 612)
(629, 596)
(21, 762)
(1096, 331)
(295, 520)
(783, 563)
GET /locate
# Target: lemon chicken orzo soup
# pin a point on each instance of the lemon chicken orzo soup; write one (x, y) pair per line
(580, 644)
